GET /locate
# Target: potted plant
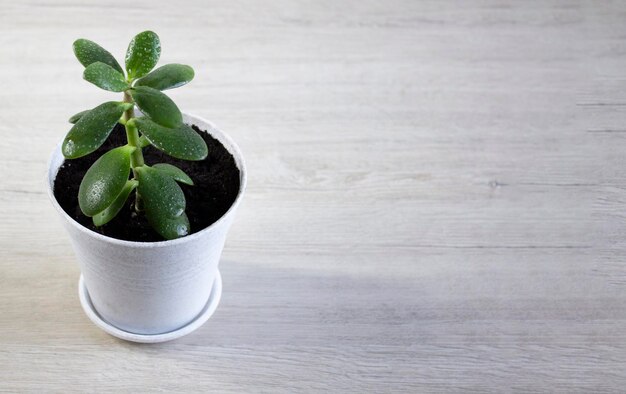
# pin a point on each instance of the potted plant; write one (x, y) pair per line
(147, 195)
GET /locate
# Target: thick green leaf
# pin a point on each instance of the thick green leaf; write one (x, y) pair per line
(88, 52)
(102, 218)
(157, 106)
(174, 172)
(77, 116)
(104, 180)
(92, 129)
(163, 201)
(160, 193)
(181, 142)
(167, 77)
(105, 77)
(143, 54)
(172, 228)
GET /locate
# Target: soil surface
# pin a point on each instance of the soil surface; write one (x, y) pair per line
(216, 184)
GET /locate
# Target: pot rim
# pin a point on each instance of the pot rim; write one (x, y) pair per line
(214, 131)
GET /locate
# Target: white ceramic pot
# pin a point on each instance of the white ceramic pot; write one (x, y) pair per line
(150, 288)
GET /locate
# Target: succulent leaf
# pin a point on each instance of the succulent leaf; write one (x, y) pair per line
(181, 142)
(74, 118)
(164, 202)
(174, 172)
(88, 52)
(157, 106)
(92, 129)
(143, 54)
(104, 180)
(172, 228)
(169, 76)
(102, 218)
(105, 77)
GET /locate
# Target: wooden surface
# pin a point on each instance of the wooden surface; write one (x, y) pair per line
(436, 198)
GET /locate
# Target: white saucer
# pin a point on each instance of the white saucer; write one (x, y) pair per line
(207, 311)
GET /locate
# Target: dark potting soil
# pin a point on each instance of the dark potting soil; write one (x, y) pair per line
(216, 184)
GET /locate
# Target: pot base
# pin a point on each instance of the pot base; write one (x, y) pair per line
(205, 314)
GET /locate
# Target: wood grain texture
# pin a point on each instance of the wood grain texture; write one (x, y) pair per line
(435, 202)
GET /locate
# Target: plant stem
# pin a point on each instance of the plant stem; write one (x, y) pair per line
(132, 136)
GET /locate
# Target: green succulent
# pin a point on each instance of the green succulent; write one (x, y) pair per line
(108, 184)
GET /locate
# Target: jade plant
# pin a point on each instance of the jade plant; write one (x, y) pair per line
(108, 183)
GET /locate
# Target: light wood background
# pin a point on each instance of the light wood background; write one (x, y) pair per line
(437, 196)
